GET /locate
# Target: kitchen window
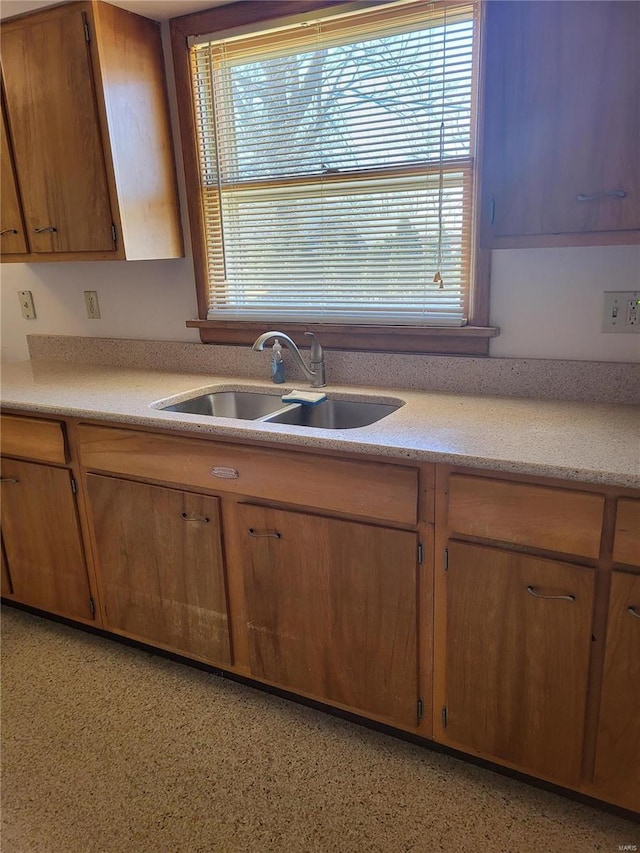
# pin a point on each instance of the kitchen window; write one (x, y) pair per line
(335, 163)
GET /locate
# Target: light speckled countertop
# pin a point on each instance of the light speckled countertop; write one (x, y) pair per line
(592, 442)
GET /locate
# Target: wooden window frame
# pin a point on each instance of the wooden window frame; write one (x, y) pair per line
(472, 339)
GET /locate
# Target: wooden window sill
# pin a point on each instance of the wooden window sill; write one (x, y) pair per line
(465, 340)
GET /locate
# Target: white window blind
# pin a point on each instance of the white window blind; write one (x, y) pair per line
(336, 161)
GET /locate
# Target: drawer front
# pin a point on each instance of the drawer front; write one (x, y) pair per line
(537, 516)
(32, 438)
(626, 543)
(373, 490)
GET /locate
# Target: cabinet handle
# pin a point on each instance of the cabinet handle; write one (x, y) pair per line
(8, 231)
(8, 480)
(225, 473)
(198, 519)
(273, 534)
(50, 228)
(596, 196)
(634, 611)
(531, 591)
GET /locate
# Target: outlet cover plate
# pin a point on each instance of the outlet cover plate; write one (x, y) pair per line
(26, 304)
(91, 301)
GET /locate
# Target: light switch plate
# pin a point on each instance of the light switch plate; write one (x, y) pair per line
(621, 312)
(26, 304)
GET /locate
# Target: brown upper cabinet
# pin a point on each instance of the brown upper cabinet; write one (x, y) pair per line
(561, 124)
(88, 125)
(12, 237)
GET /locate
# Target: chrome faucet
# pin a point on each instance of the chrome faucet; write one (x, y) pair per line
(315, 372)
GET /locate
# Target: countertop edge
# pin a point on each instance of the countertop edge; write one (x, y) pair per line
(280, 434)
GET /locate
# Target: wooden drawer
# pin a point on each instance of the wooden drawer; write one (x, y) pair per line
(537, 516)
(373, 490)
(626, 543)
(32, 438)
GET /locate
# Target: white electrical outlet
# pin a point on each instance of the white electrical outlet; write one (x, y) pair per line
(621, 313)
(91, 301)
(26, 304)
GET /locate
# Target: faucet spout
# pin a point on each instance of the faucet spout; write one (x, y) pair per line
(316, 372)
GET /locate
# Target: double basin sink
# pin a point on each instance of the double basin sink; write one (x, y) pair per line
(269, 408)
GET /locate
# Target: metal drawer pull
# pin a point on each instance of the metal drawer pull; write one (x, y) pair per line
(273, 534)
(8, 231)
(634, 612)
(225, 473)
(200, 519)
(8, 480)
(596, 196)
(50, 228)
(535, 594)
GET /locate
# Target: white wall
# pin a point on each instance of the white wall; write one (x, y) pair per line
(547, 302)
(141, 299)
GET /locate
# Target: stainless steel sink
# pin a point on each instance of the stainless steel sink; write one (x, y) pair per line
(334, 414)
(269, 408)
(245, 405)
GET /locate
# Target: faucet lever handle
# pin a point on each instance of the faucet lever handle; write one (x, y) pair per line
(316, 353)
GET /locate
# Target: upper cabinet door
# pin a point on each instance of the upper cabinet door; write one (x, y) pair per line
(562, 122)
(12, 239)
(56, 132)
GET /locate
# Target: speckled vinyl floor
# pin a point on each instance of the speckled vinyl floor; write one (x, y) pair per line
(108, 749)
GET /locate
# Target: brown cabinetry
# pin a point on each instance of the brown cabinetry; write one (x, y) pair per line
(626, 542)
(88, 123)
(159, 564)
(315, 574)
(12, 237)
(561, 124)
(543, 517)
(518, 645)
(331, 609)
(45, 559)
(617, 767)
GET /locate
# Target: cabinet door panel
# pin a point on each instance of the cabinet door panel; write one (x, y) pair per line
(56, 132)
(617, 770)
(517, 663)
(12, 239)
(331, 609)
(42, 539)
(562, 117)
(160, 566)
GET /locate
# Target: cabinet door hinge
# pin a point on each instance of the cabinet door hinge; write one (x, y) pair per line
(443, 716)
(92, 606)
(114, 232)
(420, 709)
(74, 486)
(87, 34)
(445, 559)
(420, 553)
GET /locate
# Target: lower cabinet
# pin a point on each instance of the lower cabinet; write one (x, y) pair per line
(617, 767)
(331, 609)
(323, 594)
(159, 564)
(518, 637)
(45, 563)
